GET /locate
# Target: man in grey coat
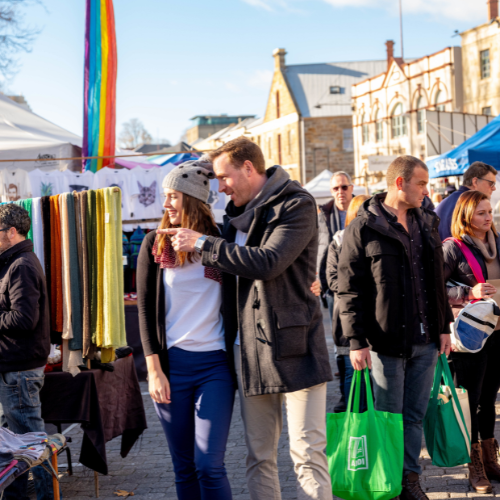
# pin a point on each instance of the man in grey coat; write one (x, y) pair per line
(267, 253)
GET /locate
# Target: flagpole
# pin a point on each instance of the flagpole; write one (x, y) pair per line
(401, 26)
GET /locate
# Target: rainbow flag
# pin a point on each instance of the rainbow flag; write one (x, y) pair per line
(99, 117)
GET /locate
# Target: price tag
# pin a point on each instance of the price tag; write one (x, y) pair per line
(106, 217)
(125, 260)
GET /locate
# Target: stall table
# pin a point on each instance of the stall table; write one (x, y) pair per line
(107, 404)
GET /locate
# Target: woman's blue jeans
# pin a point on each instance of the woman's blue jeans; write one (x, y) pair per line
(197, 421)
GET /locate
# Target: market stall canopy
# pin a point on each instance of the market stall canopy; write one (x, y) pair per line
(483, 146)
(25, 135)
(319, 187)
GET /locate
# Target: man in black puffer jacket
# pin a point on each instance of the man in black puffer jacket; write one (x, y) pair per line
(24, 338)
(393, 303)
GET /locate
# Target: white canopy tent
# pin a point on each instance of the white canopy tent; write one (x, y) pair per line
(319, 187)
(25, 135)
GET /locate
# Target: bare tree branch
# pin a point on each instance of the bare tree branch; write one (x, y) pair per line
(134, 134)
(15, 35)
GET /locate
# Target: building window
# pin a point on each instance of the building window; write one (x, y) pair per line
(269, 148)
(365, 131)
(487, 111)
(485, 63)
(280, 159)
(335, 89)
(277, 104)
(398, 122)
(379, 127)
(289, 142)
(438, 102)
(420, 115)
(347, 142)
(258, 140)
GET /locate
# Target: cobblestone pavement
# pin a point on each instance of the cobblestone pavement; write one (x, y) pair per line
(148, 472)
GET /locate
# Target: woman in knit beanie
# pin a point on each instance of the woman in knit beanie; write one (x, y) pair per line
(182, 333)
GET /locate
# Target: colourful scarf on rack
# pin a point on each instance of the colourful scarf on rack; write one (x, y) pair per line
(114, 310)
(67, 332)
(100, 267)
(92, 256)
(26, 204)
(87, 333)
(45, 203)
(37, 228)
(168, 260)
(56, 266)
(75, 344)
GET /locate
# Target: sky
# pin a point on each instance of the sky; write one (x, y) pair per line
(181, 58)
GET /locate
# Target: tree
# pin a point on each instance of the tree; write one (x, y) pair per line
(15, 35)
(134, 134)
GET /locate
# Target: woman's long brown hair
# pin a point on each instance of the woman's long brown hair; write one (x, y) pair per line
(197, 216)
(461, 221)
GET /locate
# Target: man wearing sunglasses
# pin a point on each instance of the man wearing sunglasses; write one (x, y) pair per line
(478, 177)
(331, 218)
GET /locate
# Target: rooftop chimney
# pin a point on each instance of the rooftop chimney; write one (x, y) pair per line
(279, 58)
(390, 52)
(492, 9)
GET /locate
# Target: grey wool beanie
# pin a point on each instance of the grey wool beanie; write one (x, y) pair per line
(192, 178)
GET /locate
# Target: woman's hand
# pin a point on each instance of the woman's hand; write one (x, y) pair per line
(482, 291)
(159, 386)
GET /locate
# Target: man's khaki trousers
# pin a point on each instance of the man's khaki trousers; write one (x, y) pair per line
(263, 420)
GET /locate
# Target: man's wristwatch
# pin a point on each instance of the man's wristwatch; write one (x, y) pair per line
(198, 246)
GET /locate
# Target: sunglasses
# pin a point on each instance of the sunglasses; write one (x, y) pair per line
(486, 180)
(343, 187)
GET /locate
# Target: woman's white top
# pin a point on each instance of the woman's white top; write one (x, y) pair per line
(193, 309)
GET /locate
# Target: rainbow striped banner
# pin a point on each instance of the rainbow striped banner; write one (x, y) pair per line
(99, 118)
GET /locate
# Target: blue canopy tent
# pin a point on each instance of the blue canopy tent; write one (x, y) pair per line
(176, 159)
(482, 146)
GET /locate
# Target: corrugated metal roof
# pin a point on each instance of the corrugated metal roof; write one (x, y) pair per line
(310, 85)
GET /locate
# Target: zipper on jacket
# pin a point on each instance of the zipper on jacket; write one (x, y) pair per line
(256, 300)
(261, 328)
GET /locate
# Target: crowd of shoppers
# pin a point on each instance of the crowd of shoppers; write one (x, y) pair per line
(234, 308)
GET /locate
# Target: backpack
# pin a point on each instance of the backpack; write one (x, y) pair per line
(478, 319)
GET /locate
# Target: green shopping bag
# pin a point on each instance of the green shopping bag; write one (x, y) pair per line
(365, 450)
(445, 428)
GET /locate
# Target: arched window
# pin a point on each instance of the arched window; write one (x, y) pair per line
(420, 115)
(398, 121)
(365, 131)
(379, 127)
(440, 97)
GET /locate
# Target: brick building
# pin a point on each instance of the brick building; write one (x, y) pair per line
(307, 125)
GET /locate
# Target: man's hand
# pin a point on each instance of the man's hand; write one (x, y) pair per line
(445, 347)
(316, 288)
(360, 358)
(183, 240)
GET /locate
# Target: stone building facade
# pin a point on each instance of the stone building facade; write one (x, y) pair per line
(307, 124)
(481, 65)
(390, 109)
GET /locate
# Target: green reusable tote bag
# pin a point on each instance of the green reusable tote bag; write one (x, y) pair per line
(445, 428)
(365, 450)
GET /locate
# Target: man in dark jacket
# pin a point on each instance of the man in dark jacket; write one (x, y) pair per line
(268, 256)
(24, 338)
(393, 303)
(478, 177)
(331, 218)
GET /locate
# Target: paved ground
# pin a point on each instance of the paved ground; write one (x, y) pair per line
(148, 472)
